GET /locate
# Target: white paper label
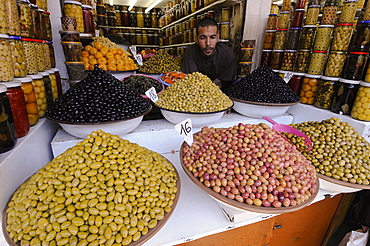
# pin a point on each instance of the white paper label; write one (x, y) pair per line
(139, 59)
(133, 50)
(152, 94)
(288, 76)
(185, 130)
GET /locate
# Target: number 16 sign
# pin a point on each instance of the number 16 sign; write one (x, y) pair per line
(184, 128)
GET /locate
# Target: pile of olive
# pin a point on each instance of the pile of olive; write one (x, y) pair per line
(251, 164)
(161, 62)
(338, 150)
(263, 85)
(141, 83)
(99, 97)
(195, 93)
(103, 191)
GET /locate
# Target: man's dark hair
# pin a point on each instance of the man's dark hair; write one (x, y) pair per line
(207, 21)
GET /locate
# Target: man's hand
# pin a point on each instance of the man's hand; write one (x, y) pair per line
(218, 82)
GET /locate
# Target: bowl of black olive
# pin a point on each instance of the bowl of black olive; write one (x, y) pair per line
(99, 101)
(262, 93)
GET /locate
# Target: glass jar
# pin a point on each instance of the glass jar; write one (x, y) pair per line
(302, 61)
(348, 12)
(45, 17)
(335, 63)
(74, 9)
(7, 67)
(156, 39)
(298, 18)
(317, 62)
(312, 15)
(225, 30)
(51, 53)
(244, 68)
(344, 96)
(18, 107)
(58, 80)
(154, 20)
(100, 9)
(46, 54)
(309, 89)
(125, 18)
(361, 106)
(225, 15)
(12, 18)
(102, 20)
(140, 19)
(274, 9)
(48, 88)
(288, 60)
(292, 40)
(111, 20)
(147, 20)
(38, 85)
(139, 38)
(300, 4)
(342, 37)
(25, 19)
(246, 54)
(266, 57)
(272, 22)
(329, 15)
(277, 59)
(307, 37)
(268, 42)
(286, 5)
(132, 17)
(89, 26)
(280, 38)
(8, 134)
(354, 66)
(30, 100)
(360, 41)
(284, 19)
(117, 14)
(36, 21)
(323, 37)
(145, 37)
(366, 12)
(18, 57)
(43, 34)
(29, 47)
(295, 83)
(40, 55)
(325, 92)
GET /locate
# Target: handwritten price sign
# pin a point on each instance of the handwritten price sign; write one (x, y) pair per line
(185, 129)
(152, 94)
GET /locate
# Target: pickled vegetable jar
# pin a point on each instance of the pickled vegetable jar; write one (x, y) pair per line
(8, 134)
(309, 88)
(18, 107)
(317, 62)
(348, 12)
(25, 19)
(345, 92)
(266, 57)
(38, 85)
(246, 54)
(3, 23)
(302, 61)
(274, 9)
(298, 18)
(140, 19)
(323, 37)
(354, 66)
(329, 15)
(335, 63)
(272, 22)
(40, 55)
(225, 29)
(268, 42)
(280, 38)
(89, 26)
(36, 21)
(29, 47)
(30, 100)
(288, 60)
(286, 5)
(53, 83)
(47, 57)
(244, 68)
(307, 37)
(7, 67)
(292, 40)
(325, 92)
(59, 81)
(295, 83)
(277, 59)
(312, 15)
(361, 106)
(74, 9)
(284, 19)
(342, 37)
(12, 18)
(48, 89)
(18, 57)
(361, 39)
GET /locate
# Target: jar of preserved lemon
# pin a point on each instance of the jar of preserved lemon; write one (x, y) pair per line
(30, 100)
(74, 9)
(309, 88)
(268, 42)
(361, 106)
(225, 30)
(38, 85)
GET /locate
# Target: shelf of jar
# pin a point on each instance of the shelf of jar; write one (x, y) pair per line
(219, 3)
(130, 28)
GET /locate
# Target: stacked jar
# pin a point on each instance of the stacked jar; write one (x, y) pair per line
(329, 16)
(305, 45)
(74, 9)
(30, 100)
(325, 92)
(345, 92)
(309, 88)
(361, 106)
(7, 128)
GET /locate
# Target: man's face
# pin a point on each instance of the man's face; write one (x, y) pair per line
(207, 39)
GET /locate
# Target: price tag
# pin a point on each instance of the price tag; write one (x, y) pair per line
(288, 76)
(152, 94)
(133, 50)
(139, 59)
(185, 130)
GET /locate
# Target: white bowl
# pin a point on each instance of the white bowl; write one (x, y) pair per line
(339, 186)
(197, 119)
(119, 128)
(258, 109)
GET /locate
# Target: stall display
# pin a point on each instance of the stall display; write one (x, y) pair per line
(161, 62)
(7, 129)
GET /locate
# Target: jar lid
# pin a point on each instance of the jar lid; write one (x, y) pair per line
(359, 53)
(330, 78)
(319, 51)
(304, 50)
(3, 88)
(337, 52)
(285, 12)
(69, 62)
(46, 12)
(282, 30)
(15, 37)
(55, 69)
(86, 35)
(12, 84)
(34, 5)
(225, 23)
(295, 28)
(314, 6)
(266, 50)
(314, 76)
(365, 22)
(25, 79)
(27, 39)
(291, 51)
(272, 14)
(72, 2)
(270, 31)
(345, 24)
(299, 74)
(299, 10)
(309, 26)
(350, 1)
(88, 6)
(35, 76)
(71, 43)
(69, 32)
(277, 50)
(329, 26)
(366, 84)
(50, 71)
(44, 73)
(3, 35)
(348, 81)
